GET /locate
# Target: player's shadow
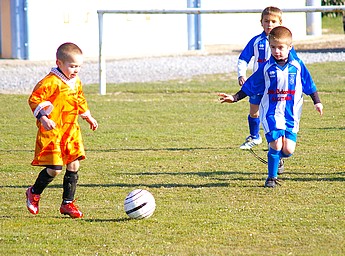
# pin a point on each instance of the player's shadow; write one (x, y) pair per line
(107, 220)
(159, 149)
(328, 128)
(157, 185)
(226, 181)
(134, 149)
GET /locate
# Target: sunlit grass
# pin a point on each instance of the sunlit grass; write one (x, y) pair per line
(174, 139)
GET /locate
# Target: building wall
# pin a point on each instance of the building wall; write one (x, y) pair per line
(239, 28)
(52, 22)
(6, 38)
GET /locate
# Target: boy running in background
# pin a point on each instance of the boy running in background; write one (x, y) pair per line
(281, 80)
(56, 102)
(258, 48)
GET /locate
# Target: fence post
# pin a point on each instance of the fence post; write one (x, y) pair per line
(194, 26)
(101, 63)
(314, 22)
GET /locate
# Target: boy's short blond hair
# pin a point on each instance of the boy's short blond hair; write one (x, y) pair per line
(274, 11)
(66, 50)
(280, 34)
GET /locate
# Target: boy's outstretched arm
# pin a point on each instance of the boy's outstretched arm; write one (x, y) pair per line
(232, 98)
(225, 98)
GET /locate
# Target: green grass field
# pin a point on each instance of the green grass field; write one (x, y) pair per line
(332, 25)
(177, 141)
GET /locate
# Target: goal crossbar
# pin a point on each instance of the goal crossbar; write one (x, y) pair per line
(102, 63)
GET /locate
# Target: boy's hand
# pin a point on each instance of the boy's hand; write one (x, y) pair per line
(319, 108)
(241, 80)
(93, 123)
(47, 123)
(225, 98)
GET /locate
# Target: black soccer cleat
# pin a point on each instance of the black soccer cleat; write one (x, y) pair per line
(271, 182)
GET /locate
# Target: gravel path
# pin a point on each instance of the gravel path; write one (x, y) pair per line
(19, 77)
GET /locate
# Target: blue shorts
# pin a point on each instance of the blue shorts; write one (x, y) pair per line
(255, 99)
(276, 134)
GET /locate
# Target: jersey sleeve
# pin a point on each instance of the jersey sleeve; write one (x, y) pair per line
(82, 103)
(255, 84)
(39, 98)
(308, 85)
(245, 57)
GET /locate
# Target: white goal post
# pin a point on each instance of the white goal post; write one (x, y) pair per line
(102, 62)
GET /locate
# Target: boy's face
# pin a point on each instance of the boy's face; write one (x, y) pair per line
(71, 67)
(269, 22)
(280, 50)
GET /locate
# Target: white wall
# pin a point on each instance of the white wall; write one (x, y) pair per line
(240, 28)
(51, 23)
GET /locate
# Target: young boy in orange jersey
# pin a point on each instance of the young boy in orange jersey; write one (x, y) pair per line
(56, 102)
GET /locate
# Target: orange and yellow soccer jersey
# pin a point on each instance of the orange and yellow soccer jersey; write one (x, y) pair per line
(62, 100)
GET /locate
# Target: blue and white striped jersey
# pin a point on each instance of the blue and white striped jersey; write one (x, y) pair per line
(258, 48)
(282, 89)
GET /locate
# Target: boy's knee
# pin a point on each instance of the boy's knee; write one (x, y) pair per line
(254, 115)
(286, 154)
(54, 172)
(73, 166)
(254, 111)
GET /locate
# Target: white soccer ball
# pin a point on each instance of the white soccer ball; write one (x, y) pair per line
(139, 204)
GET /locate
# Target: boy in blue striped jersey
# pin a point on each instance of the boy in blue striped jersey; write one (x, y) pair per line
(281, 80)
(258, 50)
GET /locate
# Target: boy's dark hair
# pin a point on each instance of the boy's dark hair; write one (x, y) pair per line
(281, 34)
(271, 10)
(66, 50)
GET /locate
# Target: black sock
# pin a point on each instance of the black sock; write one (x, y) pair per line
(69, 186)
(41, 182)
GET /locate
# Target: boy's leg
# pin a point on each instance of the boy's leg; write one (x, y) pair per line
(69, 188)
(254, 127)
(33, 193)
(273, 158)
(70, 181)
(41, 182)
(289, 145)
(254, 124)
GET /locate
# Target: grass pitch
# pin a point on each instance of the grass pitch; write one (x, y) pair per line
(175, 140)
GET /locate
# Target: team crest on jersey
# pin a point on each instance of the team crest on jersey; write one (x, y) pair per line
(272, 73)
(261, 46)
(292, 79)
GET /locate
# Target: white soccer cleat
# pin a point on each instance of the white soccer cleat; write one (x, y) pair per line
(250, 142)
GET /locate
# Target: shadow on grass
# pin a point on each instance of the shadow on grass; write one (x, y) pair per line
(201, 174)
(135, 149)
(306, 179)
(207, 185)
(160, 149)
(43, 216)
(107, 220)
(328, 128)
(123, 185)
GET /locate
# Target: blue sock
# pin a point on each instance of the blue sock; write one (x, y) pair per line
(254, 126)
(273, 157)
(282, 155)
